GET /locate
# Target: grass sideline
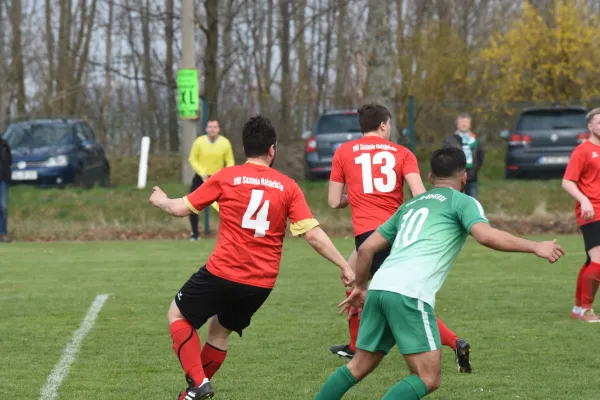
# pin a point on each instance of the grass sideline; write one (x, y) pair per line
(122, 212)
(513, 309)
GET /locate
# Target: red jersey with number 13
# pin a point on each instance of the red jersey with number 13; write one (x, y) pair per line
(373, 170)
(255, 202)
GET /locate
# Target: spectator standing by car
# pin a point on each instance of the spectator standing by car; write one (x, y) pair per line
(5, 173)
(210, 153)
(463, 138)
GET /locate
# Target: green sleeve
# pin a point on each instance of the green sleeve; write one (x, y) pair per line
(468, 210)
(389, 229)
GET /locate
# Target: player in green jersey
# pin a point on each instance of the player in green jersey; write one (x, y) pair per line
(425, 235)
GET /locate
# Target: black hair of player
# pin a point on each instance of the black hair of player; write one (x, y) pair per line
(446, 163)
(258, 135)
(371, 115)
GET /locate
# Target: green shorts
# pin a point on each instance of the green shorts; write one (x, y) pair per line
(390, 318)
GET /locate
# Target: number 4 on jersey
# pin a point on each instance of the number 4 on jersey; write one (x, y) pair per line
(260, 224)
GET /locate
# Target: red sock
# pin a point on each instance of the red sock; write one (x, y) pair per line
(589, 286)
(447, 337)
(186, 345)
(353, 326)
(579, 285)
(212, 359)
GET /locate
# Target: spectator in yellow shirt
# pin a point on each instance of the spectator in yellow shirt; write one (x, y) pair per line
(210, 153)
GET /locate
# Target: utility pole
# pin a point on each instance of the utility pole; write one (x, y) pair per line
(188, 50)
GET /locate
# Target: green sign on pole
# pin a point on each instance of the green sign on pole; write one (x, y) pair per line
(187, 86)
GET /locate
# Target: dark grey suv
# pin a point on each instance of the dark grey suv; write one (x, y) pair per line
(544, 139)
(331, 130)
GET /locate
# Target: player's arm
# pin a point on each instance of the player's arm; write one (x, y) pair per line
(195, 153)
(318, 240)
(504, 241)
(587, 209)
(364, 258)
(415, 183)
(337, 198)
(205, 195)
(412, 175)
(174, 207)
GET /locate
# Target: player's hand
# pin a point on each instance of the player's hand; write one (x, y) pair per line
(549, 250)
(587, 210)
(354, 302)
(157, 196)
(347, 276)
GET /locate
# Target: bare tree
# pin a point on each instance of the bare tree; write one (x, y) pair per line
(340, 58)
(18, 69)
(211, 54)
(171, 84)
(286, 83)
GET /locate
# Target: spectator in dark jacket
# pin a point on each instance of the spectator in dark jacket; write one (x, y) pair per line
(466, 140)
(5, 176)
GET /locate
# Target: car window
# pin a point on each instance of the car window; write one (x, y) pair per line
(552, 120)
(89, 134)
(338, 123)
(38, 135)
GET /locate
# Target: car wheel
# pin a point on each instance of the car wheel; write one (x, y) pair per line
(105, 181)
(81, 180)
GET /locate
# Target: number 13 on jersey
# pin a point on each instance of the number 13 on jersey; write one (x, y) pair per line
(387, 161)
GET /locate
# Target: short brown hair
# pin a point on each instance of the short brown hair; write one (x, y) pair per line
(370, 116)
(591, 115)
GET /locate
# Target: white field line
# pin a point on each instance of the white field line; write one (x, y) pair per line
(61, 370)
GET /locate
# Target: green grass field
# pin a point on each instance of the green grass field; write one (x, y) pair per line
(513, 309)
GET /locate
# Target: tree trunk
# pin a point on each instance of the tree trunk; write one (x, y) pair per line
(147, 71)
(379, 63)
(107, 98)
(171, 84)
(17, 56)
(50, 52)
(303, 77)
(78, 73)
(211, 65)
(340, 58)
(286, 79)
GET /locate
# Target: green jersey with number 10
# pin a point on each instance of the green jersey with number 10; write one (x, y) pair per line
(426, 235)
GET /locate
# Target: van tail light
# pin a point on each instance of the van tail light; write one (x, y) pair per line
(582, 137)
(311, 145)
(516, 139)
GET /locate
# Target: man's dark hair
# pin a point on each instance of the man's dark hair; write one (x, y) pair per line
(370, 116)
(447, 162)
(258, 136)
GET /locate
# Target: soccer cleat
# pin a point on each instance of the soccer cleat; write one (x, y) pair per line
(463, 351)
(575, 315)
(342, 350)
(588, 315)
(193, 237)
(203, 391)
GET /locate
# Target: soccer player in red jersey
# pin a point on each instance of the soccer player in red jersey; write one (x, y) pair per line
(255, 202)
(582, 182)
(373, 170)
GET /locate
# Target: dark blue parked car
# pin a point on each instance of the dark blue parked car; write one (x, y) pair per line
(57, 152)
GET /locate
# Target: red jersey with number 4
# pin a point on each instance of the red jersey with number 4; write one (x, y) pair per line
(584, 169)
(373, 170)
(255, 202)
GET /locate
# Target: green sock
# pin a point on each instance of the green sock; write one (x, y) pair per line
(337, 385)
(411, 388)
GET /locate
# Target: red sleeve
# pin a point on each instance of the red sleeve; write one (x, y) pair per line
(410, 164)
(337, 172)
(205, 195)
(299, 209)
(575, 166)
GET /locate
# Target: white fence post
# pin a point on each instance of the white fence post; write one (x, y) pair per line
(143, 171)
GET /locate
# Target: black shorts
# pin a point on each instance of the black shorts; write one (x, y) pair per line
(591, 236)
(205, 295)
(378, 258)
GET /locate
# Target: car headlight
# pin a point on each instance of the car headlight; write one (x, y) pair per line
(58, 161)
